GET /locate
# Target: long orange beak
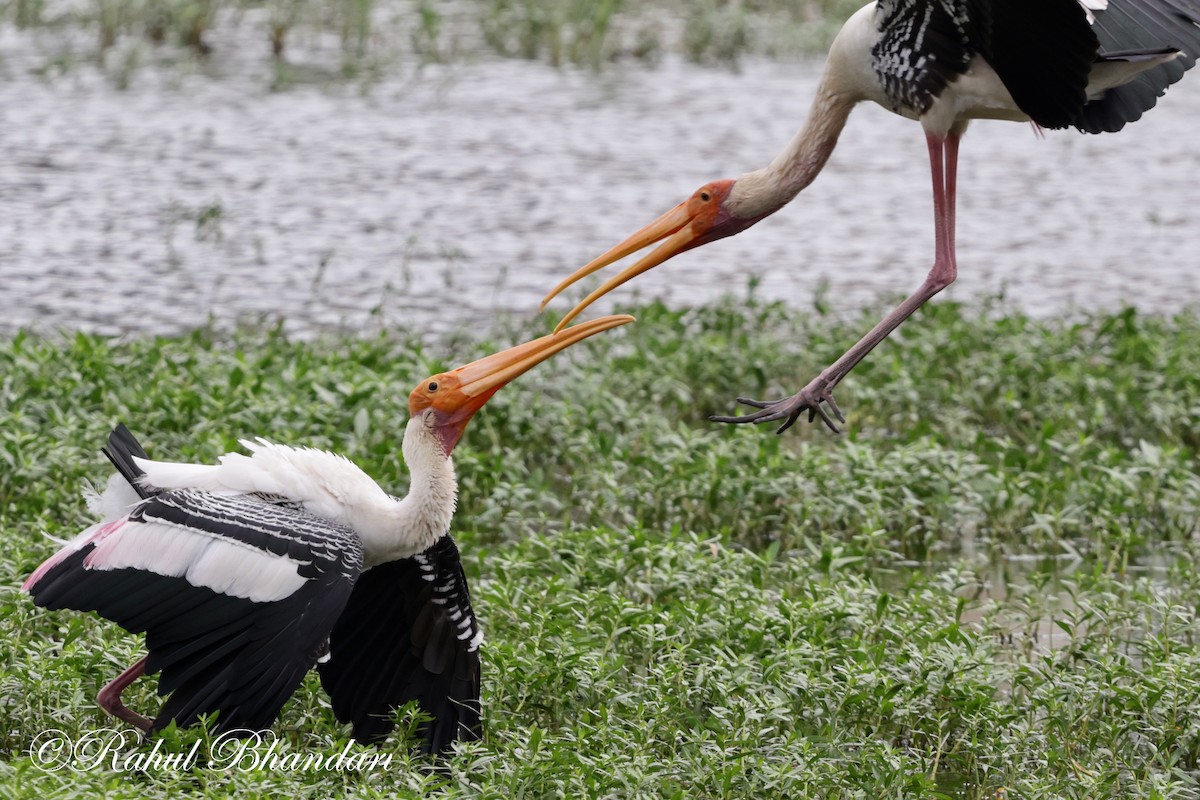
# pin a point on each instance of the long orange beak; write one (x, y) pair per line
(675, 227)
(457, 395)
(700, 219)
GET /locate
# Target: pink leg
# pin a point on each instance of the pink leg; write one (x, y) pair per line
(110, 696)
(943, 162)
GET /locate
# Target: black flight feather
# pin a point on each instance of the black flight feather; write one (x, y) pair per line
(411, 650)
(1127, 28)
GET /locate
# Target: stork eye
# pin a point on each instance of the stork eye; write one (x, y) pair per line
(705, 196)
(433, 386)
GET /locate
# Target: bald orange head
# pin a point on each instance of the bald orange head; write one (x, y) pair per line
(454, 397)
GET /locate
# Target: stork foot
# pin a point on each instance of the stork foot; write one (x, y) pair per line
(812, 398)
(109, 697)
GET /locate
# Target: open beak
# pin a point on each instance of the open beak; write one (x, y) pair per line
(678, 230)
(470, 387)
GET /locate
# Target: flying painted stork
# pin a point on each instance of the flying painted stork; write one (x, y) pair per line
(246, 574)
(1090, 64)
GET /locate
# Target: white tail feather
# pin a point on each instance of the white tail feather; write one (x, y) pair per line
(178, 475)
(117, 499)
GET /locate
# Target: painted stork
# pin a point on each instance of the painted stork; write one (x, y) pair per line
(246, 574)
(1090, 64)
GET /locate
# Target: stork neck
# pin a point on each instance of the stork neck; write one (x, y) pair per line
(430, 502)
(413, 524)
(849, 78)
(805, 156)
(764, 191)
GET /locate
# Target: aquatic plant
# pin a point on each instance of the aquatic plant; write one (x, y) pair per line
(985, 588)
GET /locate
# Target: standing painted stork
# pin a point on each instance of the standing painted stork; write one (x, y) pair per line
(246, 574)
(1090, 64)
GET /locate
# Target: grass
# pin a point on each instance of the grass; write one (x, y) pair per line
(987, 587)
(367, 37)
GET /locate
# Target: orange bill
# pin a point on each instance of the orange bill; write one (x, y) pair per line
(698, 220)
(457, 395)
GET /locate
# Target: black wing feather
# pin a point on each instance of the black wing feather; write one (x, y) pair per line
(924, 45)
(1141, 26)
(408, 633)
(1043, 50)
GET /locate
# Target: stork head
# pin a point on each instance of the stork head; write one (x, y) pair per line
(446, 402)
(711, 213)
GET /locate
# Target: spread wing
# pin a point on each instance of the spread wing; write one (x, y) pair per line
(236, 597)
(1129, 29)
(408, 633)
(1043, 51)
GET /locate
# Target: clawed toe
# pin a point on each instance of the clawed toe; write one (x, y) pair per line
(789, 409)
(833, 406)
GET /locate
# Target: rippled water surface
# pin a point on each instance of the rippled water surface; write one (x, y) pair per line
(459, 193)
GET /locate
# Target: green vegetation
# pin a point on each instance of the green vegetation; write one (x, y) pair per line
(373, 33)
(987, 587)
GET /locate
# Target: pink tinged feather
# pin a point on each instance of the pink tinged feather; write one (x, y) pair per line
(203, 559)
(95, 533)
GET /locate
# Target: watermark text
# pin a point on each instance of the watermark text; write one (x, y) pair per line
(239, 751)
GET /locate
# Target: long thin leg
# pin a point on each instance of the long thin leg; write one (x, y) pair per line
(110, 696)
(943, 163)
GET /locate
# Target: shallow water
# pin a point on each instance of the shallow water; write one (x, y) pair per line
(455, 194)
